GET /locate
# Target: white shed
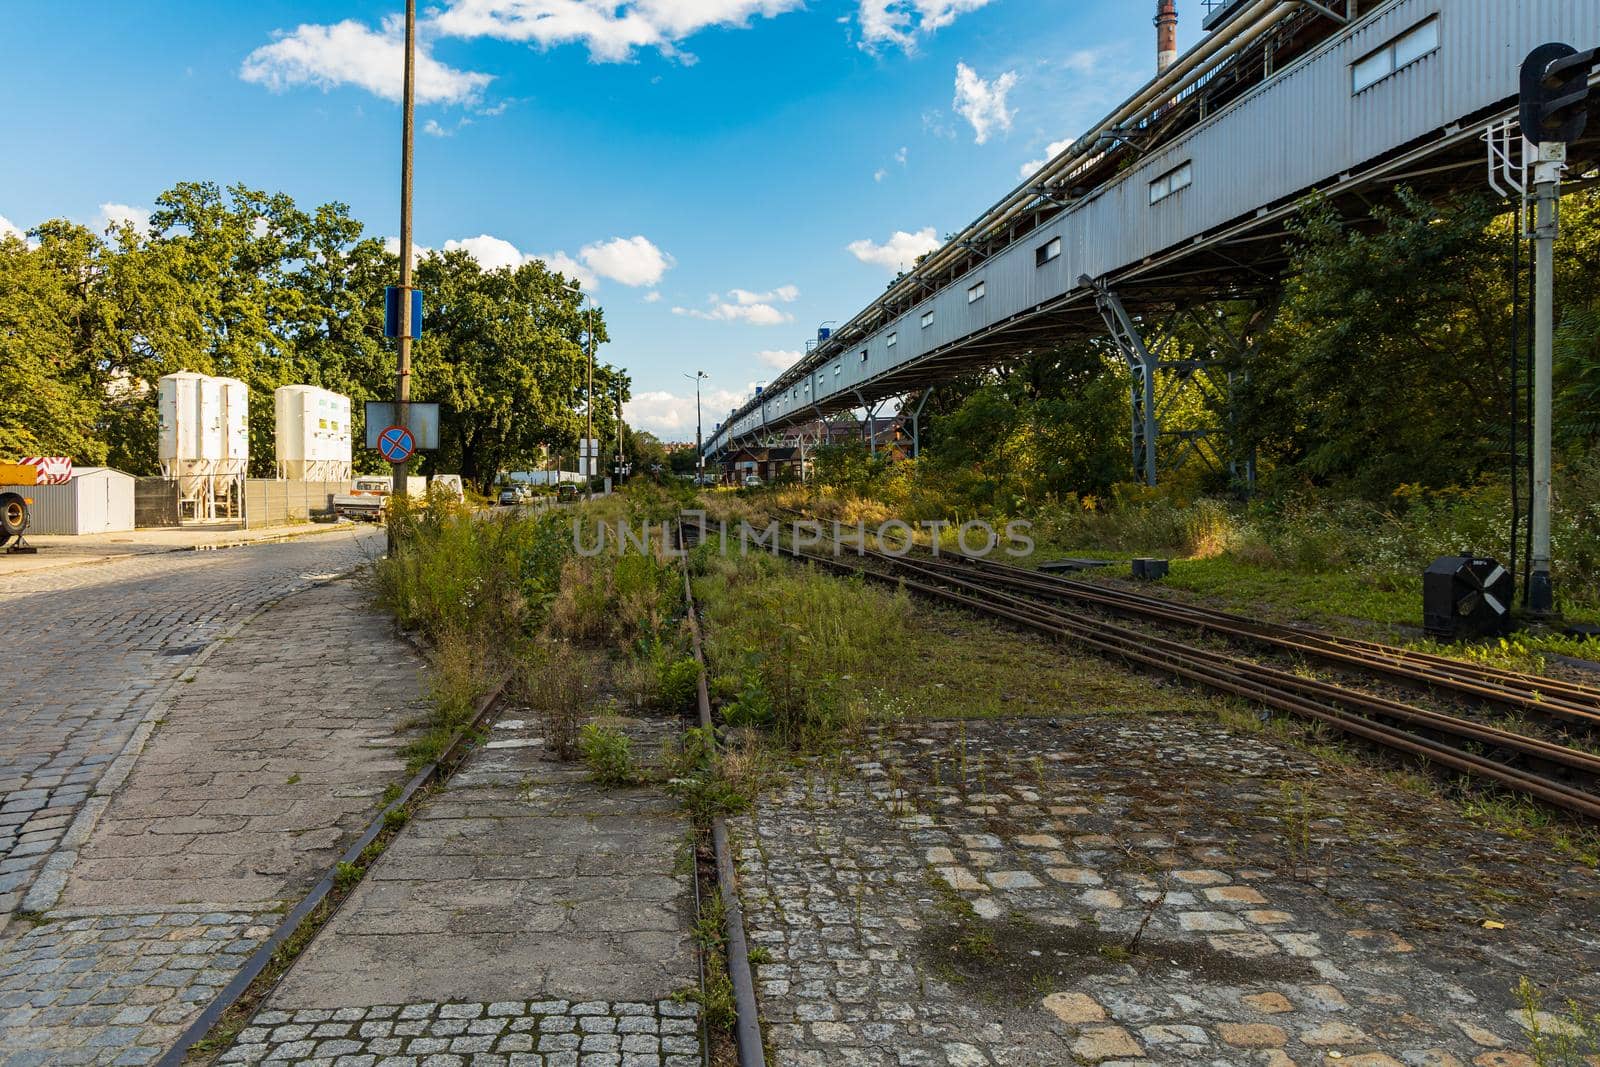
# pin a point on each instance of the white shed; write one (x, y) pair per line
(96, 500)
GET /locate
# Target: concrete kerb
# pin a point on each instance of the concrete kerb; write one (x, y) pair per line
(442, 767)
(52, 878)
(276, 539)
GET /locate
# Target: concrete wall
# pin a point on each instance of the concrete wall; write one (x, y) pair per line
(272, 501)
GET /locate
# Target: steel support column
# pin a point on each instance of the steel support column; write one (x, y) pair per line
(1125, 335)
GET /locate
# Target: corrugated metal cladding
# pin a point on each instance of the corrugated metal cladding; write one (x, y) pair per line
(1297, 132)
(97, 500)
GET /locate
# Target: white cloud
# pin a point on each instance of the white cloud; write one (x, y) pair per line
(433, 129)
(10, 229)
(611, 30)
(652, 297)
(671, 415)
(1054, 149)
(778, 360)
(563, 264)
(116, 215)
(491, 253)
(786, 294)
(633, 261)
(899, 252)
(743, 305)
(983, 103)
(879, 174)
(351, 53)
(391, 245)
(901, 22)
(900, 156)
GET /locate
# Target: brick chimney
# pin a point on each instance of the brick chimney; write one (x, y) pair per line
(1166, 34)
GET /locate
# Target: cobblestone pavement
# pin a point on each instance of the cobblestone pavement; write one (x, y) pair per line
(507, 1033)
(269, 757)
(1146, 890)
(523, 916)
(88, 651)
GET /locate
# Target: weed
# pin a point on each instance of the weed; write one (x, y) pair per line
(346, 875)
(293, 779)
(677, 683)
(1294, 819)
(608, 752)
(1565, 1040)
(550, 679)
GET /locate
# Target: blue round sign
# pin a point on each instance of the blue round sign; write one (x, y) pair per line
(396, 444)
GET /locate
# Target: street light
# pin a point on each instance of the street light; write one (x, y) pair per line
(699, 447)
(588, 396)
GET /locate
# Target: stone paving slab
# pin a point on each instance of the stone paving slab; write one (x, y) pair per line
(506, 1033)
(967, 895)
(90, 651)
(520, 879)
(115, 988)
(267, 761)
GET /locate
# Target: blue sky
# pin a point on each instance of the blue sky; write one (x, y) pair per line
(726, 174)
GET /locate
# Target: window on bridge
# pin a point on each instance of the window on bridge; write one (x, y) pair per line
(894, 339)
(1172, 181)
(1419, 41)
(927, 319)
(975, 293)
(1047, 252)
(864, 352)
(838, 369)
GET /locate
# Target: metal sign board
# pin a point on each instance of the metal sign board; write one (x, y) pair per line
(52, 470)
(396, 443)
(421, 419)
(391, 312)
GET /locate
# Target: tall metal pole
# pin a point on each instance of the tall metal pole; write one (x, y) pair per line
(590, 453)
(699, 441)
(1546, 194)
(402, 385)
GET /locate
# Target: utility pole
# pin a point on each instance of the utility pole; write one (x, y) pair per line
(402, 385)
(1554, 112)
(619, 434)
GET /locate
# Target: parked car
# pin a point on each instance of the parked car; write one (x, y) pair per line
(566, 491)
(753, 481)
(510, 496)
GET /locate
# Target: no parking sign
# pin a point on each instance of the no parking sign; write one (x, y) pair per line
(396, 444)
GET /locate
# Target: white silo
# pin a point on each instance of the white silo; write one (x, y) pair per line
(313, 433)
(235, 457)
(180, 445)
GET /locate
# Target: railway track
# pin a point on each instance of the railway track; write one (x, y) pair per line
(1561, 775)
(1535, 695)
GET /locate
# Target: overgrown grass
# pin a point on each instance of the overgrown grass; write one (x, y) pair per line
(812, 658)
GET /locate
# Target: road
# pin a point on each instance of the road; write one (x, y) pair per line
(89, 649)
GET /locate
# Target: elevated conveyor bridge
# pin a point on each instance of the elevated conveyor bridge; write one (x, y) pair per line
(1181, 196)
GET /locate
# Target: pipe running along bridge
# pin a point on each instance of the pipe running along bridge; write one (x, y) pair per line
(1178, 201)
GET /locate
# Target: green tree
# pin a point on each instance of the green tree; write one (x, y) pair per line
(51, 395)
(502, 354)
(1388, 363)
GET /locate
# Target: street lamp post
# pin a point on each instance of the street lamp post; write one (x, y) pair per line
(699, 445)
(588, 401)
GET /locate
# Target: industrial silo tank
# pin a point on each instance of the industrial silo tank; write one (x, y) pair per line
(235, 425)
(178, 402)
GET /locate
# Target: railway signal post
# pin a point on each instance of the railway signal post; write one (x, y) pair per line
(1554, 112)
